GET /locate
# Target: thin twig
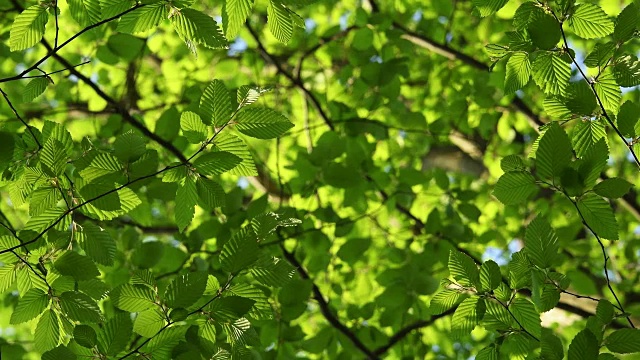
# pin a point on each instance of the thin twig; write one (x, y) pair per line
(15, 112)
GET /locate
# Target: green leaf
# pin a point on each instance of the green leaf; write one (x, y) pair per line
(626, 70)
(186, 199)
(80, 307)
(185, 290)
(97, 243)
(626, 23)
(47, 333)
(239, 252)
(600, 55)
(518, 72)
(628, 119)
(193, 128)
(59, 353)
(262, 123)
(216, 162)
(490, 276)
(111, 8)
(143, 19)
(608, 91)
(544, 31)
(271, 271)
(115, 335)
(28, 27)
(30, 305)
(171, 336)
(519, 270)
(468, 314)
(488, 7)
(526, 14)
(598, 214)
(34, 88)
(54, 157)
(129, 146)
(613, 188)
(85, 336)
(280, 21)
(29, 279)
(580, 98)
(593, 162)
(512, 163)
(589, 21)
(149, 322)
(488, 353)
(585, 134)
(235, 145)
(77, 266)
(605, 311)
(515, 187)
(215, 104)
(7, 277)
(554, 153)
(541, 243)
(551, 346)
(195, 27)
(85, 12)
(584, 346)
(133, 298)
(527, 315)
(463, 269)
(624, 341)
(234, 15)
(210, 194)
(551, 72)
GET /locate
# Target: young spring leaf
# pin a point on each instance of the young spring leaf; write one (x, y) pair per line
(193, 128)
(515, 187)
(262, 123)
(463, 269)
(28, 27)
(80, 307)
(196, 27)
(215, 104)
(554, 153)
(77, 266)
(490, 276)
(613, 188)
(133, 298)
(518, 72)
(541, 242)
(488, 7)
(30, 305)
(186, 200)
(598, 214)
(143, 19)
(185, 290)
(234, 15)
(468, 314)
(551, 72)
(216, 162)
(589, 21)
(47, 333)
(527, 315)
(280, 21)
(34, 88)
(624, 341)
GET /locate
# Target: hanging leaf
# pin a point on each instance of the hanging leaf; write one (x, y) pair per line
(28, 27)
(262, 123)
(589, 21)
(598, 214)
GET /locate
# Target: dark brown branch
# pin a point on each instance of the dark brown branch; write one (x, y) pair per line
(325, 308)
(53, 50)
(126, 116)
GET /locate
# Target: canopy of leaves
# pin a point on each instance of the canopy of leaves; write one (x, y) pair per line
(280, 179)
